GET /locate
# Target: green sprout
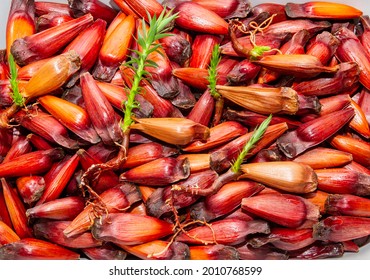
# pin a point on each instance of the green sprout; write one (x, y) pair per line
(17, 97)
(146, 40)
(212, 71)
(258, 133)
(258, 51)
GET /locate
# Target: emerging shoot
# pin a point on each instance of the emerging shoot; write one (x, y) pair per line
(212, 71)
(256, 136)
(148, 43)
(18, 99)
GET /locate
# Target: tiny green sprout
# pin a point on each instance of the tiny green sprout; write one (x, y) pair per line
(212, 71)
(258, 51)
(146, 40)
(17, 97)
(256, 136)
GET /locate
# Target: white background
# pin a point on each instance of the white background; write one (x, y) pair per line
(363, 5)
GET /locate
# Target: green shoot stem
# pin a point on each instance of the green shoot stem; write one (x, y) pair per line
(135, 89)
(17, 97)
(256, 136)
(258, 51)
(146, 40)
(212, 71)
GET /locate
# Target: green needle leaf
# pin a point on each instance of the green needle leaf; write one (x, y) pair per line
(256, 136)
(258, 51)
(17, 97)
(212, 71)
(146, 40)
